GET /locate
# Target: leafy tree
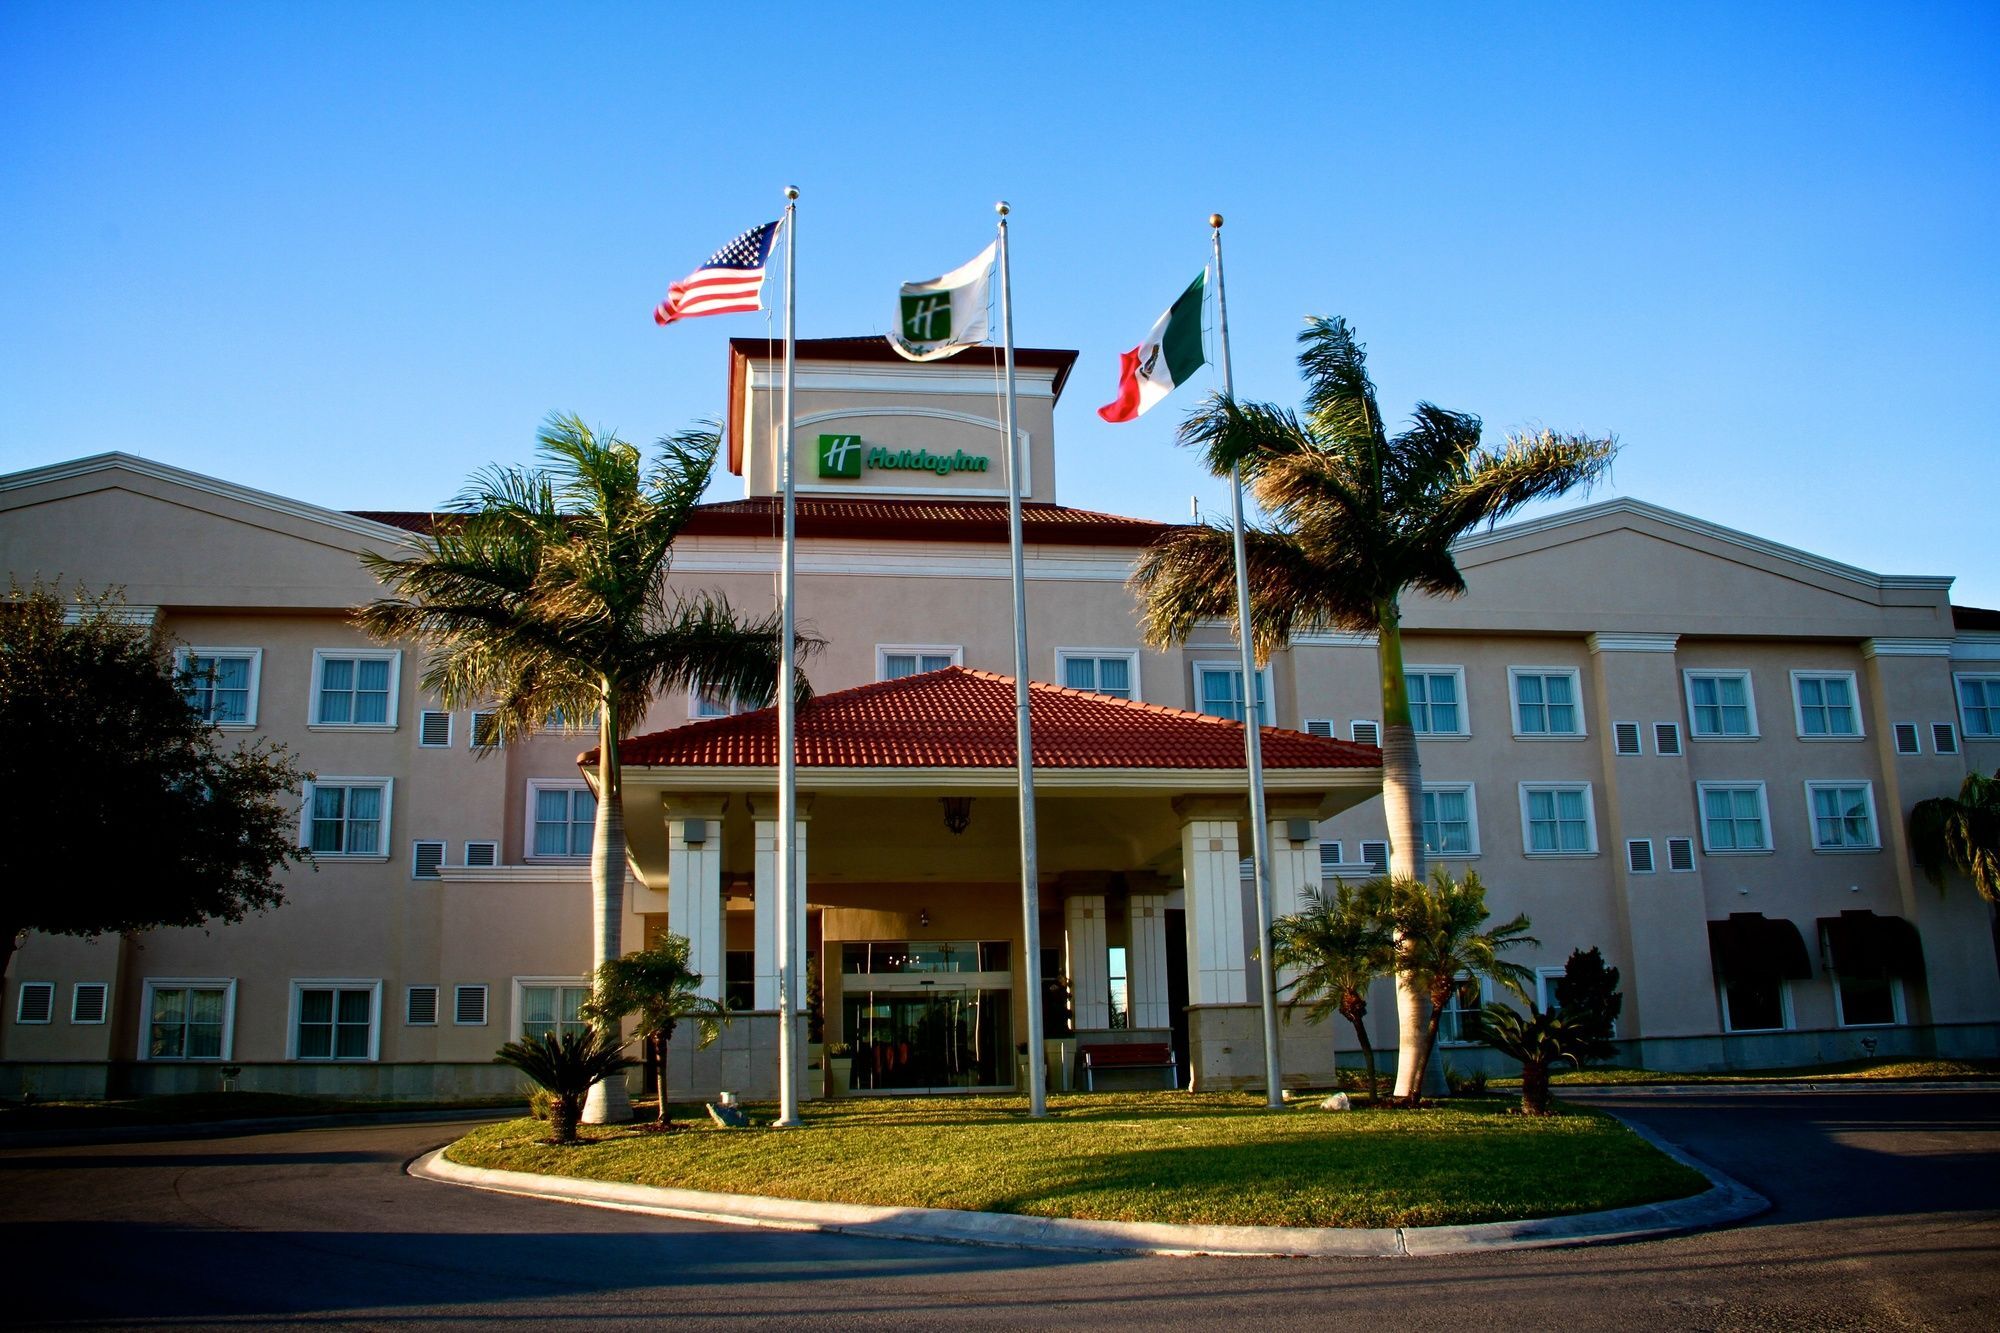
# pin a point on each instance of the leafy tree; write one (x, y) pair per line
(568, 1065)
(1538, 1040)
(1358, 516)
(658, 986)
(1961, 833)
(544, 591)
(1337, 946)
(100, 749)
(1442, 939)
(1587, 994)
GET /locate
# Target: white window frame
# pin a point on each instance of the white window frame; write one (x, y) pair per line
(1471, 817)
(383, 839)
(698, 712)
(1545, 986)
(1958, 703)
(1694, 733)
(183, 656)
(1485, 998)
(520, 985)
(1464, 704)
(485, 1004)
(76, 993)
(1899, 1015)
(321, 656)
(21, 1019)
(1514, 674)
(1264, 679)
(1785, 1014)
(450, 728)
(1812, 816)
(437, 1001)
(1130, 656)
(955, 651)
(300, 985)
(1589, 819)
(1860, 731)
(1702, 789)
(536, 786)
(227, 985)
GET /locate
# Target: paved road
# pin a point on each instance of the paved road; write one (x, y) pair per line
(1887, 1216)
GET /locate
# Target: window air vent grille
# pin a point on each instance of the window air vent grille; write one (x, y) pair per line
(482, 854)
(1625, 737)
(1680, 853)
(1329, 858)
(484, 732)
(1666, 738)
(1376, 854)
(38, 1002)
(434, 729)
(87, 1002)
(1639, 855)
(469, 1006)
(1944, 738)
(422, 1008)
(425, 859)
(1319, 726)
(1367, 733)
(1906, 738)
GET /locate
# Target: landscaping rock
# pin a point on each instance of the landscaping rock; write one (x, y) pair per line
(727, 1116)
(1338, 1102)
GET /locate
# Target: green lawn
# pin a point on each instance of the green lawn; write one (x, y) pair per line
(1154, 1157)
(1860, 1071)
(196, 1107)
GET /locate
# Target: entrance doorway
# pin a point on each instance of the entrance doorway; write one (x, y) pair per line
(936, 1039)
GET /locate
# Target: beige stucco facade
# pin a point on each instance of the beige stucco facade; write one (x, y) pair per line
(1629, 604)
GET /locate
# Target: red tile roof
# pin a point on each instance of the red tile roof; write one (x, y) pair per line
(957, 718)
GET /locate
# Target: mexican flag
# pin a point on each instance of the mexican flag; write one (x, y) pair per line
(936, 317)
(1169, 356)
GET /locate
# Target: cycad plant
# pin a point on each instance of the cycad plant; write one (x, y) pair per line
(1357, 517)
(1539, 1039)
(1335, 947)
(657, 985)
(1961, 833)
(568, 1065)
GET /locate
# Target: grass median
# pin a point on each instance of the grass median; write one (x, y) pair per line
(1160, 1157)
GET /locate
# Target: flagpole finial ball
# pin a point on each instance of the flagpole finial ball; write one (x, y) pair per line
(791, 192)
(1215, 220)
(1001, 208)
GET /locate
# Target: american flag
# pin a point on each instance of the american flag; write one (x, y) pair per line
(731, 281)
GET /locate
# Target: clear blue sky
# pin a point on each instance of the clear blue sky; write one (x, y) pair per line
(350, 252)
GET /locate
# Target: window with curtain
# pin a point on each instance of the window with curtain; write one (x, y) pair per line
(1979, 705)
(1558, 819)
(186, 1022)
(1843, 817)
(1719, 704)
(347, 818)
(1435, 708)
(335, 1022)
(915, 661)
(1103, 674)
(553, 1010)
(1826, 705)
(1448, 823)
(218, 686)
(1733, 818)
(1220, 690)
(1545, 704)
(565, 818)
(353, 691)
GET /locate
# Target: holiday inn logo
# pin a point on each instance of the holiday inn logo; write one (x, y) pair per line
(840, 456)
(843, 456)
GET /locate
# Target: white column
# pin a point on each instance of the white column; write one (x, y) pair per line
(1212, 876)
(1294, 870)
(1089, 961)
(694, 887)
(1146, 960)
(764, 970)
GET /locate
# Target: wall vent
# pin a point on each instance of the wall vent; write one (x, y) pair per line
(1666, 738)
(479, 855)
(1376, 854)
(1906, 738)
(421, 1009)
(1625, 737)
(1944, 738)
(433, 729)
(37, 1003)
(1320, 726)
(1367, 733)
(87, 1002)
(1329, 858)
(468, 1007)
(1680, 853)
(1639, 855)
(425, 858)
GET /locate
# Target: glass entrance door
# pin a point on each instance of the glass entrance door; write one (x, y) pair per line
(933, 1039)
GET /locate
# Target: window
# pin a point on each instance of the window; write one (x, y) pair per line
(188, 1020)
(893, 661)
(1666, 738)
(468, 1006)
(1625, 738)
(221, 683)
(1546, 701)
(1720, 706)
(1639, 855)
(482, 854)
(1680, 855)
(420, 1007)
(425, 858)
(355, 689)
(1734, 818)
(348, 817)
(37, 1002)
(1450, 826)
(1100, 672)
(1219, 692)
(1763, 1004)
(1458, 1025)
(1824, 702)
(556, 721)
(334, 1020)
(434, 729)
(1978, 705)
(1117, 972)
(739, 978)
(1556, 819)
(704, 703)
(1546, 980)
(1843, 817)
(1437, 700)
(1944, 740)
(1365, 732)
(563, 818)
(1906, 739)
(551, 1005)
(484, 733)
(1864, 997)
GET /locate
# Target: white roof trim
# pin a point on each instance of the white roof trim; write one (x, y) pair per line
(1701, 528)
(146, 467)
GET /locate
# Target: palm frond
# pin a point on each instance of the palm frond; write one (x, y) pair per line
(1340, 398)
(1251, 435)
(1188, 578)
(1527, 468)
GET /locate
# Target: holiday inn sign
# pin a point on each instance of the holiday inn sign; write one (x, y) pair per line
(846, 455)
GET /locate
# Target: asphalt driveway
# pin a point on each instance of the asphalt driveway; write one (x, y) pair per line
(1886, 1215)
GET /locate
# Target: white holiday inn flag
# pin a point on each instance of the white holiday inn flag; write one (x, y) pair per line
(936, 318)
(1169, 357)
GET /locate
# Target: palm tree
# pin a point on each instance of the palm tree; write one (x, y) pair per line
(1961, 833)
(658, 986)
(1441, 942)
(1538, 1041)
(1336, 947)
(569, 1065)
(1358, 516)
(543, 592)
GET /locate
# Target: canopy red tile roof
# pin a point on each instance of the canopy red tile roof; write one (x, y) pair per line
(958, 718)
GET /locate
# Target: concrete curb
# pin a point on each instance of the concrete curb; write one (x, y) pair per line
(212, 1129)
(1583, 1091)
(1723, 1202)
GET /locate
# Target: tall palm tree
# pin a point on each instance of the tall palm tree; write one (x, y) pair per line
(657, 985)
(1442, 941)
(543, 592)
(1335, 947)
(1358, 516)
(1961, 833)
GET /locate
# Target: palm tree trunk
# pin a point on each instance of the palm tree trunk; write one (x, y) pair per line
(1357, 1018)
(609, 1103)
(1402, 804)
(1534, 1087)
(1426, 1043)
(657, 1044)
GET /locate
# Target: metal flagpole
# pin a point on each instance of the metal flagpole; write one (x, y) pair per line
(1253, 748)
(788, 772)
(1031, 900)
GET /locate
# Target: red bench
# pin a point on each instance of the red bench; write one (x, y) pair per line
(1130, 1055)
